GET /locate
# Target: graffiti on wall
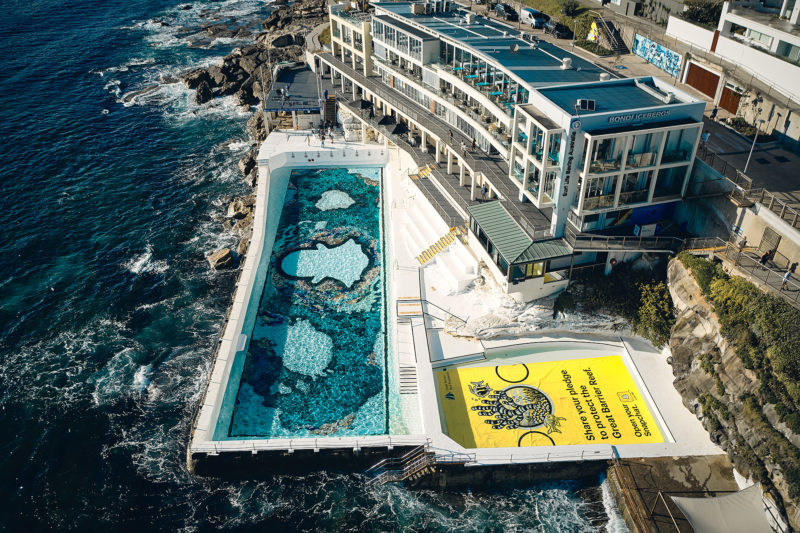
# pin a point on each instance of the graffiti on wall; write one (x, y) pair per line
(663, 58)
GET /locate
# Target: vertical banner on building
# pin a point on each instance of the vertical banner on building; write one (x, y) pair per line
(660, 56)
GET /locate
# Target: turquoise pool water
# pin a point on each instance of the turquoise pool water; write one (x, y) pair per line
(316, 360)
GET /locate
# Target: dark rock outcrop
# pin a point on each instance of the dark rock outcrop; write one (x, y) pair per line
(193, 79)
(203, 93)
(222, 258)
(256, 127)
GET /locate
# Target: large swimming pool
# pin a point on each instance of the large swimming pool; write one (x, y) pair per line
(316, 360)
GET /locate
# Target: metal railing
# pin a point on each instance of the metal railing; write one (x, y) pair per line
(592, 242)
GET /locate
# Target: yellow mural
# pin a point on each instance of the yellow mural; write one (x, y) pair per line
(576, 401)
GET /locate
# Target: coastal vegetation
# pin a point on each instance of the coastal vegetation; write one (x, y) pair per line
(638, 295)
(747, 386)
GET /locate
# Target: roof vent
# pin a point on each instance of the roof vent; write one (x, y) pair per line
(470, 18)
(669, 98)
(605, 76)
(566, 63)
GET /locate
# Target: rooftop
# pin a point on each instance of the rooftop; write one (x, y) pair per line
(537, 64)
(609, 96)
(513, 243)
(300, 84)
(769, 20)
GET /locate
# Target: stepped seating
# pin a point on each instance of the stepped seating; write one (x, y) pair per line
(441, 245)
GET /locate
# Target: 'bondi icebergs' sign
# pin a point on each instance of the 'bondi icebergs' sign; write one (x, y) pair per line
(334, 199)
(344, 263)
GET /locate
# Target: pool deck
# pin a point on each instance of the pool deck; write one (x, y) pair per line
(422, 346)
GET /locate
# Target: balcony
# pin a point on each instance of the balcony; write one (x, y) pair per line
(608, 165)
(632, 197)
(645, 159)
(598, 202)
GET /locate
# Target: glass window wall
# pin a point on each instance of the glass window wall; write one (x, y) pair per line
(599, 193)
(644, 149)
(554, 149)
(607, 154)
(635, 187)
(679, 145)
(670, 182)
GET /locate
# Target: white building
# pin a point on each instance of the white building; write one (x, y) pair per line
(564, 149)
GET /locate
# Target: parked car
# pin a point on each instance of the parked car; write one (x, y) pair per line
(535, 18)
(505, 11)
(559, 31)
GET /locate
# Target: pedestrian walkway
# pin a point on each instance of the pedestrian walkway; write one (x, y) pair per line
(768, 277)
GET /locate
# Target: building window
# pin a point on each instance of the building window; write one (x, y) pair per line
(599, 193)
(635, 187)
(670, 182)
(644, 150)
(789, 51)
(606, 154)
(679, 145)
(758, 37)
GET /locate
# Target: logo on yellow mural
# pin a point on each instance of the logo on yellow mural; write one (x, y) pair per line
(546, 404)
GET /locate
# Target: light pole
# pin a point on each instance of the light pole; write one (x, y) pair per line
(574, 31)
(751, 148)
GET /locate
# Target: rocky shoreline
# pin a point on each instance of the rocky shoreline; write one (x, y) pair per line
(245, 74)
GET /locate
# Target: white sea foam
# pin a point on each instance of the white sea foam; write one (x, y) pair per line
(144, 263)
(616, 524)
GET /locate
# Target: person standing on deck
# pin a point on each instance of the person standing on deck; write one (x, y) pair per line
(786, 278)
(473, 145)
(463, 149)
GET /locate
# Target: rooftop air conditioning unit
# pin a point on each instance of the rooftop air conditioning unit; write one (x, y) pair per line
(669, 98)
(566, 63)
(418, 8)
(585, 105)
(429, 8)
(470, 18)
(605, 76)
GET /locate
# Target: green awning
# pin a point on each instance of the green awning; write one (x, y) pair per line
(542, 250)
(513, 243)
(501, 229)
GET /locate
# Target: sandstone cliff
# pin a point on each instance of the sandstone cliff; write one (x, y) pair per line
(715, 385)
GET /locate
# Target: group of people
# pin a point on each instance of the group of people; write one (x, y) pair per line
(472, 148)
(790, 269)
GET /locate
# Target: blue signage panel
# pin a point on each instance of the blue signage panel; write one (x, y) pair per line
(660, 56)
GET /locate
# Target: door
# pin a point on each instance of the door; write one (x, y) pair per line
(703, 80)
(769, 241)
(729, 100)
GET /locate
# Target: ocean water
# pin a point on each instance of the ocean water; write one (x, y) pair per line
(111, 181)
(316, 361)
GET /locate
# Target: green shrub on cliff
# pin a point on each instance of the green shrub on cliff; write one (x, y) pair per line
(640, 296)
(655, 316)
(704, 271)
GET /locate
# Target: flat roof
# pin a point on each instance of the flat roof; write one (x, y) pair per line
(411, 30)
(609, 96)
(539, 116)
(538, 65)
(302, 91)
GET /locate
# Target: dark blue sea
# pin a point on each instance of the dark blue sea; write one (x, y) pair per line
(111, 182)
